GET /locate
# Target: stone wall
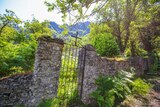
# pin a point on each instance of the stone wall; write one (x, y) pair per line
(31, 89)
(96, 66)
(15, 90)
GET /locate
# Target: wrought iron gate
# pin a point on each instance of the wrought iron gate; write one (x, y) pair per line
(71, 75)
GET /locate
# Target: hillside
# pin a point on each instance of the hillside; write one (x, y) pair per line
(82, 28)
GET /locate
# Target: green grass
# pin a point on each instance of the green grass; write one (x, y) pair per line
(68, 83)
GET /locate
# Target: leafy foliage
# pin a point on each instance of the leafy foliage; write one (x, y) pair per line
(16, 57)
(134, 23)
(18, 43)
(140, 87)
(69, 6)
(112, 90)
(104, 43)
(8, 19)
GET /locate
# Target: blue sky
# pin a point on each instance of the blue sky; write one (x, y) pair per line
(26, 9)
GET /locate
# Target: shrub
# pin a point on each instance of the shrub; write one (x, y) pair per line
(112, 89)
(105, 44)
(139, 87)
(17, 58)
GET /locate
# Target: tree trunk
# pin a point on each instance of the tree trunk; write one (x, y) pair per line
(133, 52)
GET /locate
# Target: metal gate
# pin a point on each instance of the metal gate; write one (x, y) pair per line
(71, 75)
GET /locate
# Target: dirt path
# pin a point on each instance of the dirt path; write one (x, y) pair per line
(153, 98)
(155, 93)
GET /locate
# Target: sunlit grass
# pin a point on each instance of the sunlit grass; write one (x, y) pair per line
(68, 79)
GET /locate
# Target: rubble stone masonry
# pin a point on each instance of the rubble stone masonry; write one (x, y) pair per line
(31, 89)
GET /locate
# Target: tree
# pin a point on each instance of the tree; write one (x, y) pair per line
(36, 29)
(19, 45)
(119, 14)
(122, 16)
(150, 34)
(8, 19)
(75, 8)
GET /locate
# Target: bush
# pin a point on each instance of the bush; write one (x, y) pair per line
(112, 90)
(105, 44)
(17, 58)
(139, 87)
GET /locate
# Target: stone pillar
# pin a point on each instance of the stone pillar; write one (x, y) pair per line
(47, 68)
(90, 70)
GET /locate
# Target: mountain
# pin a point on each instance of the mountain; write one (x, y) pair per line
(55, 26)
(82, 28)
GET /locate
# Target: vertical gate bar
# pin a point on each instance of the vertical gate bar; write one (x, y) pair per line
(60, 81)
(80, 71)
(75, 67)
(83, 71)
(62, 77)
(74, 72)
(68, 69)
(64, 72)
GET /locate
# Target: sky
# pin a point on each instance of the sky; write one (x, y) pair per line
(27, 9)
